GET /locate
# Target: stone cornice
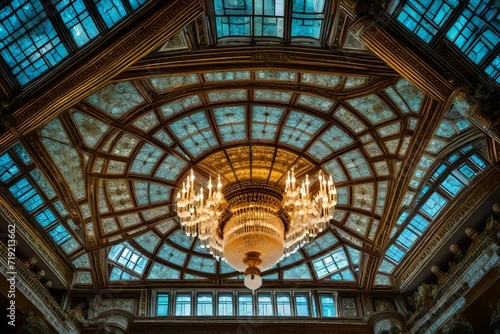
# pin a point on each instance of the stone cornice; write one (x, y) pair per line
(449, 224)
(97, 66)
(41, 247)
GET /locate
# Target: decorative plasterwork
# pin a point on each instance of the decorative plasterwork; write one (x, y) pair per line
(36, 293)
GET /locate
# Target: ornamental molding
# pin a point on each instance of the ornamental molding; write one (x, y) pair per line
(43, 250)
(36, 293)
(460, 212)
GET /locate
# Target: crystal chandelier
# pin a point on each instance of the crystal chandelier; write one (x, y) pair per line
(254, 225)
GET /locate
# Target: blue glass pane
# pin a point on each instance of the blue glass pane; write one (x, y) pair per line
(45, 218)
(493, 69)
(327, 306)
(162, 304)
(407, 238)
(112, 11)
(7, 168)
(433, 204)
(423, 192)
(307, 18)
(28, 42)
(470, 32)
(77, 20)
(26, 195)
(419, 223)
(258, 18)
(59, 234)
(452, 184)
(424, 18)
(395, 253)
(439, 171)
(137, 3)
(467, 171)
(21, 153)
(453, 158)
(478, 161)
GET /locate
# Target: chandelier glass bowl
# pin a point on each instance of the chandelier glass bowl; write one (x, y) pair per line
(252, 226)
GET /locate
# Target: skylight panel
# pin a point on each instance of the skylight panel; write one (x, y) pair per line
(307, 18)
(424, 18)
(247, 18)
(172, 255)
(25, 194)
(77, 20)
(29, 44)
(112, 11)
(59, 234)
(8, 168)
(330, 262)
(159, 271)
(433, 204)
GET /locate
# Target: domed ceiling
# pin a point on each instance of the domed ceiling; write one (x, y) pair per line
(124, 151)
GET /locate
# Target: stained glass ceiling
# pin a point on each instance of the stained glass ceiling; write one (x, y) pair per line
(122, 152)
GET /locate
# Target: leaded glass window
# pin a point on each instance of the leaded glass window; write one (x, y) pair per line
(475, 32)
(29, 44)
(112, 11)
(77, 20)
(259, 18)
(424, 18)
(307, 18)
(7, 168)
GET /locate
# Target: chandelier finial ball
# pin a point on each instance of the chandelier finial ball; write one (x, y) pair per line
(253, 282)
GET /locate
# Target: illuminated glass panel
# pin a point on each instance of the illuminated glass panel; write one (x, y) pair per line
(302, 305)
(407, 238)
(77, 20)
(259, 18)
(493, 69)
(172, 255)
(45, 218)
(225, 304)
(162, 304)
(265, 304)
(307, 18)
(25, 194)
(452, 184)
(137, 3)
(112, 11)
(433, 204)
(59, 234)
(424, 18)
(7, 167)
(129, 257)
(183, 304)
(327, 305)
(231, 122)
(204, 304)
(419, 223)
(299, 128)
(29, 44)
(195, 133)
(330, 262)
(471, 32)
(283, 304)
(394, 253)
(245, 307)
(478, 161)
(118, 275)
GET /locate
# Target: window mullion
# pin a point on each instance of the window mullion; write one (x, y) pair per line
(59, 26)
(96, 16)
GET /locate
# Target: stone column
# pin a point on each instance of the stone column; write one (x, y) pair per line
(387, 322)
